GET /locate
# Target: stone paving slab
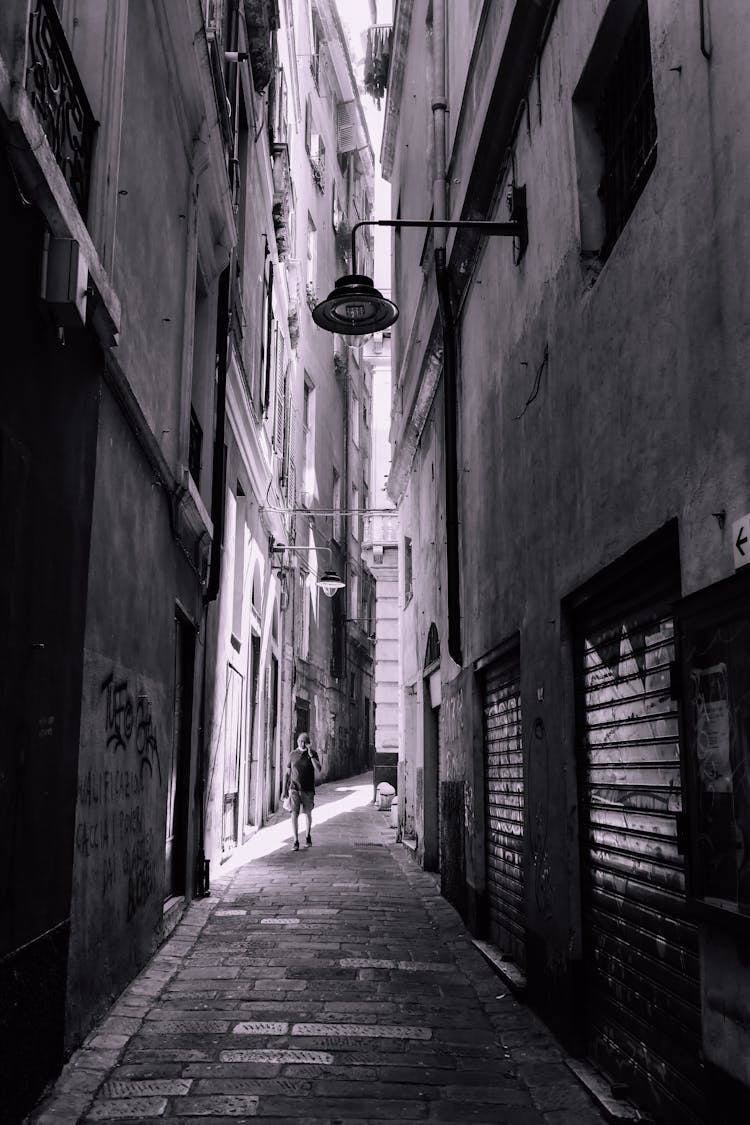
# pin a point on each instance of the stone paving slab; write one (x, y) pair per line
(333, 986)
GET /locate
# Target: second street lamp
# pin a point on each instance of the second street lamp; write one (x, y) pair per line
(329, 582)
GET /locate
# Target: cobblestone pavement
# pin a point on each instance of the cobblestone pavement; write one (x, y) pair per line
(320, 987)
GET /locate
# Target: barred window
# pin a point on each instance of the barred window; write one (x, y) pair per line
(627, 124)
(615, 125)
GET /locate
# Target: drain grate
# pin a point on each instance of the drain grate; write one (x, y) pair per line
(367, 844)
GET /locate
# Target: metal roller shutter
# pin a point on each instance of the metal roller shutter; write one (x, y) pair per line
(504, 790)
(643, 999)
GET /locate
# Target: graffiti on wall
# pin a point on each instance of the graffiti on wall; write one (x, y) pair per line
(114, 835)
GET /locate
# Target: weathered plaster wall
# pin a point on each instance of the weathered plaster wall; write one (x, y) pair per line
(126, 726)
(49, 404)
(153, 206)
(637, 371)
(642, 393)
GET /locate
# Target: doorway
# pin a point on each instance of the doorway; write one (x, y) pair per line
(272, 714)
(431, 833)
(250, 753)
(232, 750)
(178, 779)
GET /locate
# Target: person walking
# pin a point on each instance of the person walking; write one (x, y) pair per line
(299, 785)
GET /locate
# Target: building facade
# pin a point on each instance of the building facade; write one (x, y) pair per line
(332, 663)
(116, 204)
(157, 351)
(569, 463)
(298, 442)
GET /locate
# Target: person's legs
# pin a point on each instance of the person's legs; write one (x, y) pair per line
(294, 797)
(308, 800)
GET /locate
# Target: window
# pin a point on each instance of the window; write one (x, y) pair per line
(239, 563)
(311, 267)
(318, 160)
(354, 595)
(280, 396)
(337, 211)
(309, 593)
(308, 127)
(195, 447)
(338, 615)
(614, 125)
(315, 148)
(336, 505)
(267, 334)
(278, 113)
(316, 39)
(408, 591)
(308, 443)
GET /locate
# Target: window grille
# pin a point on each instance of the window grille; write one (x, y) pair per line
(626, 121)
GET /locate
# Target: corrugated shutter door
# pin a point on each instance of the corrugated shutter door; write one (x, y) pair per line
(643, 1001)
(504, 790)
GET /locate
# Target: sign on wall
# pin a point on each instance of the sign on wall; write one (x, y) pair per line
(741, 541)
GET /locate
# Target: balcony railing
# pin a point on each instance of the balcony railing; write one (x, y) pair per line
(318, 165)
(381, 530)
(57, 94)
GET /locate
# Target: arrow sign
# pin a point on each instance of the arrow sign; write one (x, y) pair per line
(741, 541)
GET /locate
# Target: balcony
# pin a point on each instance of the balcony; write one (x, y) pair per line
(381, 530)
(261, 20)
(56, 92)
(377, 61)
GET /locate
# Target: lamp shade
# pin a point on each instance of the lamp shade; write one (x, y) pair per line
(355, 308)
(329, 582)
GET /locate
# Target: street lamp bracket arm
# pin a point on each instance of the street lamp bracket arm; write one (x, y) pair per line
(516, 228)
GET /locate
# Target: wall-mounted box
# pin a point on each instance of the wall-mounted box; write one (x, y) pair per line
(64, 281)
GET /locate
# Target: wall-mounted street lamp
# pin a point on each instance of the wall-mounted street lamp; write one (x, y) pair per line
(329, 582)
(354, 307)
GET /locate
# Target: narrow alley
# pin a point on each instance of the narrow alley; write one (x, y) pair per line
(329, 985)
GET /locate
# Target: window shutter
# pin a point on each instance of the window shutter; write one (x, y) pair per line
(308, 126)
(346, 126)
(278, 428)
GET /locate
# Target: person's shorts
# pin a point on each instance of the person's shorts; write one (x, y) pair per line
(301, 800)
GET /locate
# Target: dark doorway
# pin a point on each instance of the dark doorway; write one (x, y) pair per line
(251, 753)
(272, 716)
(178, 781)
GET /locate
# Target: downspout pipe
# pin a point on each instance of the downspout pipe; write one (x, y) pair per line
(450, 394)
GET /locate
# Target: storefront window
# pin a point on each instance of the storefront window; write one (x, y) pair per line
(715, 637)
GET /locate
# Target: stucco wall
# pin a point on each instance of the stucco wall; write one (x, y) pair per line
(49, 403)
(636, 372)
(126, 726)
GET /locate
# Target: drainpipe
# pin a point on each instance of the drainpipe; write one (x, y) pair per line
(439, 119)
